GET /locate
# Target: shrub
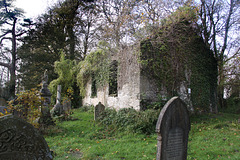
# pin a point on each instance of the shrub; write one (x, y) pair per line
(66, 77)
(87, 108)
(27, 105)
(130, 120)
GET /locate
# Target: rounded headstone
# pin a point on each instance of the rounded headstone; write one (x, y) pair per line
(173, 127)
(19, 140)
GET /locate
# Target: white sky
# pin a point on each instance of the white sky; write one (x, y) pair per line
(33, 8)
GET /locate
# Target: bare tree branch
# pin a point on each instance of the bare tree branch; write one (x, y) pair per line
(234, 55)
(5, 65)
(5, 38)
(227, 27)
(9, 31)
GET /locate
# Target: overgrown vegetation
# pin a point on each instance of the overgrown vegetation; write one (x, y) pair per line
(211, 137)
(175, 55)
(65, 70)
(130, 120)
(27, 105)
(96, 63)
(232, 105)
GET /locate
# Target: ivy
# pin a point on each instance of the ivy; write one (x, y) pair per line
(177, 49)
(65, 69)
(97, 64)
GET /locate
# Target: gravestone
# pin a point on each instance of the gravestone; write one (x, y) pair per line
(45, 118)
(67, 105)
(19, 140)
(173, 127)
(98, 110)
(58, 108)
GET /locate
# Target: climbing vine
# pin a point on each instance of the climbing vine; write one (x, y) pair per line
(97, 64)
(176, 54)
(65, 69)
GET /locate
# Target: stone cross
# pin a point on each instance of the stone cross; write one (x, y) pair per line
(172, 128)
(98, 110)
(20, 140)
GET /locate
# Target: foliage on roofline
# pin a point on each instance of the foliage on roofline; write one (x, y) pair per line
(97, 64)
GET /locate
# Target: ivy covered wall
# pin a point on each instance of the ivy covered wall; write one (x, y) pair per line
(177, 59)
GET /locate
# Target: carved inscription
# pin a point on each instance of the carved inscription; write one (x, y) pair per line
(175, 146)
(172, 128)
(19, 140)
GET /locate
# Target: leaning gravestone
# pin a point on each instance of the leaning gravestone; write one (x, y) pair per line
(172, 128)
(98, 110)
(19, 140)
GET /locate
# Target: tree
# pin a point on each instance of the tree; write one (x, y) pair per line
(40, 49)
(10, 17)
(69, 23)
(87, 32)
(232, 73)
(117, 19)
(65, 70)
(219, 21)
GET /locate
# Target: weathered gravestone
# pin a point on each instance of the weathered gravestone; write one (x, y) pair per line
(45, 118)
(66, 105)
(98, 110)
(172, 128)
(58, 108)
(19, 140)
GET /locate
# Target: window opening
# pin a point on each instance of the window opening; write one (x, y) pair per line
(113, 84)
(93, 87)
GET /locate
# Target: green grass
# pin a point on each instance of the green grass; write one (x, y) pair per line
(211, 137)
(215, 137)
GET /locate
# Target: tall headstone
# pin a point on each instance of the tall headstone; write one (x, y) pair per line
(58, 108)
(98, 110)
(173, 127)
(58, 100)
(19, 140)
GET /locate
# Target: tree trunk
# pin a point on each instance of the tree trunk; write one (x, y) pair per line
(220, 83)
(12, 84)
(72, 43)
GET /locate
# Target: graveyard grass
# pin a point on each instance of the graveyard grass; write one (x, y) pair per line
(211, 137)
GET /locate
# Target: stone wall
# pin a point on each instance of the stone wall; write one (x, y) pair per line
(128, 83)
(148, 88)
